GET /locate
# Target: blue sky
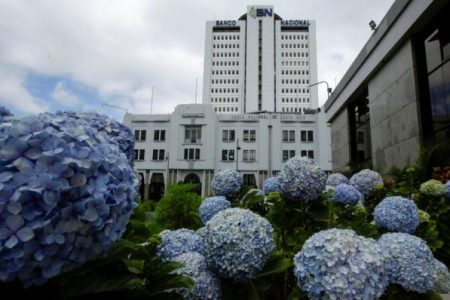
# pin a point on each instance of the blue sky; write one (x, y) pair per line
(61, 55)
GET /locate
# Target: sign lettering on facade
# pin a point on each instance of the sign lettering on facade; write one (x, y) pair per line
(226, 23)
(260, 12)
(294, 23)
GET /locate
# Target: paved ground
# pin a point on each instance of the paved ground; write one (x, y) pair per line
(446, 297)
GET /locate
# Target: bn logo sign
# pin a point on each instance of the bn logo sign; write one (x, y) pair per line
(260, 12)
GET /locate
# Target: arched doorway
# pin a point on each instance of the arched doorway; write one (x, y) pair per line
(156, 189)
(193, 178)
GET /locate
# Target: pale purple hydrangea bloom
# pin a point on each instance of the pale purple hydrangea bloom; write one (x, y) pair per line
(206, 283)
(397, 214)
(271, 184)
(65, 197)
(339, 264)
(238, 243)
(226, 183)
(347, 194)
(336, 179)
(211, 206)
(410, 262)
(176, 242)
(302, 179)
(366, 181)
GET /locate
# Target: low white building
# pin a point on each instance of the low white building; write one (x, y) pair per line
(194, 142)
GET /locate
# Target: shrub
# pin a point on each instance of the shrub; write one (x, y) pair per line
(433, 187)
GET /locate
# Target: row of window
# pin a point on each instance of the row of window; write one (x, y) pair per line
(294, 109)
(295, 91)
(287, 154)
(158, 135)
(226, 109)
(234, 46)
(295, 100)
(224, 81)
(295, 81)
(225, 72)
(305, 136)
(294, 37)
(249, 135)
(225, 37)
(293, 63)
(248, 155)
(231, 63)
(294, 72)
(225, 54)
(225, 90)
(293, 45)
(224, 100)
(294, 54)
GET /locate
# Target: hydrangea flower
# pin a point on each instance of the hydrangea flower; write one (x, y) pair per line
(65, 197)
(271, 184)
(442, 285)
(433, 187)
(397, 214)
(347, 194)
(206, 283)
(238, 242)
(410, 262)
(366, 181)
(226, 183)
(336, 179)
(211, 206)
(4, 112)
(106, 128)
(302, 179)
(447, 189)
(176, 242)
(339, 264)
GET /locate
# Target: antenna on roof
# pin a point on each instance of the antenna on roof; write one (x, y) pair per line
(196, 80)
(151, 103)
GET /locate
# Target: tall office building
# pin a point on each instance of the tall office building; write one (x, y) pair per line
(260, 62)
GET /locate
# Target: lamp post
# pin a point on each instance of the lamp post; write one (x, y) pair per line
(323, 81)
(237, 153)
(115, 106)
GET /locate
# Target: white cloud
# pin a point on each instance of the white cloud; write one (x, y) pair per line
(61, 94)
(123, 48)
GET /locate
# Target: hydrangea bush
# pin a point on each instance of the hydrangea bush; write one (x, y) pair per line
(442, 285)
(211, 206)
(176, 242)
(366, 181)
(65, 197)
(433, 187)
(237, 243)
(302, 179)
(347, 194)
(271, 184)
(397, 214)
(410, 262)
(339, 264)
(4, 112)
(226, 183)
(207, 285)
(336, 178)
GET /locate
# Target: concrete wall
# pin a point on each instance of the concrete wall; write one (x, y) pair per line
(393, 112)
(340, 141)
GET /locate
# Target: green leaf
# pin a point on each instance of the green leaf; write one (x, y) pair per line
(275, 264)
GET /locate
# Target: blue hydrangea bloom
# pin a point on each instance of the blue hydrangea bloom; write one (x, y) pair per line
(339, 264)
(65, 197)
(302, 179)
(397, 214)
(366, 181)
(433, 187)
(201, 232)
(447, 189)
(4, 112)
(226, 183)
(336, 179)
(238, 242)
(176, 242)
(207, 285)
(410, 262)
(211, 206)
(347, 194)
(106, 128)
(442, 285)
(271, 184)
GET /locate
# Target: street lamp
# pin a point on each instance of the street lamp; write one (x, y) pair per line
(114, 106)
(328, 87)
(237, 153)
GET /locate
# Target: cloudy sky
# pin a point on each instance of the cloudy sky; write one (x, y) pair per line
(76, 55)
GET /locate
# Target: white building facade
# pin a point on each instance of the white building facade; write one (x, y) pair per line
(260, 62)
(194, 142)
(258, 108)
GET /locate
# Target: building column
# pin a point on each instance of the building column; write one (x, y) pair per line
(146, 184)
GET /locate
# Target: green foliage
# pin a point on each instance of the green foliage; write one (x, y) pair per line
(177, 209)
